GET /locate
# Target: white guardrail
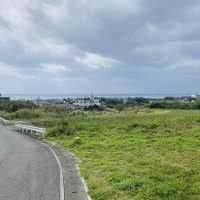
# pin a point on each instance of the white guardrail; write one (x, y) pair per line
(30, 130)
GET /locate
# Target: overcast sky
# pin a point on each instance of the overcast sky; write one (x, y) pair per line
(99, 46)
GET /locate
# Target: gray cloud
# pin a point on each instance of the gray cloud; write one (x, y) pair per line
(99, 46)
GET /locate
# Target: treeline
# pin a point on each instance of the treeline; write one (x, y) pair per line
(166, 103)
(121, 103)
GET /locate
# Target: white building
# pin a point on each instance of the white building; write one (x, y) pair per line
(197, 96)
(86, 103)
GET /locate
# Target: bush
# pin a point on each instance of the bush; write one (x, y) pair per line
(137, 101)
(63, 128)
(197, 105)
(25, 114)
(160, 105)
(13, 106)
(174, 104)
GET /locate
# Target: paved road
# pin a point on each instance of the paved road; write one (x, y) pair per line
(28, 170)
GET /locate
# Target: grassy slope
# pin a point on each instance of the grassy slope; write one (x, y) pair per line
(151, 155)
(134, 155)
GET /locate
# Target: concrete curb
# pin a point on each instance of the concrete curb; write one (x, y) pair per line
(74, 183)
(6, 122)
(10, 122)
(84, 185)
(62, 190)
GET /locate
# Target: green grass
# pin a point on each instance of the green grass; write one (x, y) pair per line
(37, 117)
(138, 155)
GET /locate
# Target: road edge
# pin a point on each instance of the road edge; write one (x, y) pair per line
(75, 160)
(56, 149)
(62, 190)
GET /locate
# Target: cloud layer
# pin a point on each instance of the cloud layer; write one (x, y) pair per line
(115, 46)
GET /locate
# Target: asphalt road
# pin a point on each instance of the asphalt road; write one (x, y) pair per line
(28, 170)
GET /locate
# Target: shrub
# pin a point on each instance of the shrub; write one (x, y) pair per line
(26, 114)
(196, 105)
(157, 105)
(63, 128)
(14, 106)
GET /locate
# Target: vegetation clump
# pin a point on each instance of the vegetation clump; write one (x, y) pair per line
(63, 128)
(13, 106)
(25, 114)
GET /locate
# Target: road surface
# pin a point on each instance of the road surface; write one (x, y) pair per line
(28, 170)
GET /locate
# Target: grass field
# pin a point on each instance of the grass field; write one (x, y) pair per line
(139, 154)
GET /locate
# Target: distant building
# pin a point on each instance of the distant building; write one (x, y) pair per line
(69, 104)
(197, 96)
(4, 99)
(48, 102)
(86, 103)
